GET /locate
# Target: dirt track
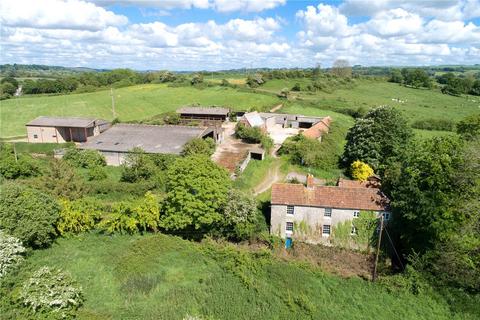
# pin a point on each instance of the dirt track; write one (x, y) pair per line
(273, 175)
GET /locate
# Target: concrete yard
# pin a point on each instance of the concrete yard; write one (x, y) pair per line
(280, 134)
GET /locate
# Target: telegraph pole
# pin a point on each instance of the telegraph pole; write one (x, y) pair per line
(113, 103)
(378, 249)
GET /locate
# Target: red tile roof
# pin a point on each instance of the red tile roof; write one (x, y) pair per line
(329, 197)
(344, 183)
(318, 129)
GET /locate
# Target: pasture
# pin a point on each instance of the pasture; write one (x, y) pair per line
(131, 103)
(163, 277)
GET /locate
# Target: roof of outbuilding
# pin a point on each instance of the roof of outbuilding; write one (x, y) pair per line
(73, 122)
(318, 129)
(150, 138)
(254, 119)
(329, 197)
(204, 110)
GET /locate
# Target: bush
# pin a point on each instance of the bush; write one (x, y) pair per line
(138, 166)
(248, 134)
(199, 146)
(52, 292)
(62, 181)
(11, 253)
(241, 216)
(78, 216)
(434, 124)
(10, 168)
(96, 173)
(84, 158)
(360, 170)
(28, 215)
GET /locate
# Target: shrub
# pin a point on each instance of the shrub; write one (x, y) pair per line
(52, 292)
(469, 127)
(241, 215)
(248, 134)
(96, 173)
(84, 158)
(78, 216)
(11, 168)
(11, 253)
(138, 166)
(62, 181)
(434, 124)
(28, 215)
(199, 146)
(360, 170)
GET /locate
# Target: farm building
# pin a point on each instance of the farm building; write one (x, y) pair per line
(64, 129)
(204, 113)
(310, 213)
(116, 142)
(318, 129)
(254, 120)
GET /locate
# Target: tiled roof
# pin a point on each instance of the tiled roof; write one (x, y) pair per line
(344, 183)
(73, 122)
(318, 129)
(329, 197)
(204, 110)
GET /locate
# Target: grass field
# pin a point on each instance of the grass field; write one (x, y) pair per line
(163, 277)
(131, 103)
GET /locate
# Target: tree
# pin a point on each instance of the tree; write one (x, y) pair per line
(379, 138)
(396, 76)
(22, 166)
(197, 191)
(341, 68)
(137, 166)
(241, 215)
(469, 128)
(61, 181)
(199, 146)
(28, 215)
(84, 158)
(197, 79)
(360, 171)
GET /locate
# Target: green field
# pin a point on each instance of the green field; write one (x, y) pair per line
(131, 103)
(163, 277)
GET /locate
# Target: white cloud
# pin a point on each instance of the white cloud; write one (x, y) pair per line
(324, 20)
(245, 5)
(395, 22)
(48, 14)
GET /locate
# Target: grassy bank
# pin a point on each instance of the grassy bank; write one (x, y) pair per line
(163, 277)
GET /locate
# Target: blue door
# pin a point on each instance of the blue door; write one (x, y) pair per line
(288, 243)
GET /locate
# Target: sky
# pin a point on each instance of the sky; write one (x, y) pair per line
(229, 34)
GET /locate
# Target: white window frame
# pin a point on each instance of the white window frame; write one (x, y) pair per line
(356, 213)
(292, 209)
(329, 230)
(386, 216)
(325, 213)
(353, 232)
(35, 136)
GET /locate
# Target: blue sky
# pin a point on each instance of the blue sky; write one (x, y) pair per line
(226, 34)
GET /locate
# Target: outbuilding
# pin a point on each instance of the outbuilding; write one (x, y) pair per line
(64, 129)
(204, 113)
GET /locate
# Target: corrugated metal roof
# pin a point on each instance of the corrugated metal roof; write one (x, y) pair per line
(254, 119)
(204, 110)
(73, 122)
(152, 139)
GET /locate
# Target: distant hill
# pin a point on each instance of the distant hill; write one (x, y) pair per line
(36, 70)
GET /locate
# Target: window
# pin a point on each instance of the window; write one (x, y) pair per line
(290, 209)
(386, 215)
(35, 136)
(328, 212)
(354, 231)
(326, 230)
(356, 214)
(289, 226)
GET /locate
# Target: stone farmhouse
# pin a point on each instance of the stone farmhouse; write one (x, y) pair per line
(64, 129)
(116, 142)
(310, 213)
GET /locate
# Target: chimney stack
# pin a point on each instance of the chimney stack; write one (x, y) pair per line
(310, 181)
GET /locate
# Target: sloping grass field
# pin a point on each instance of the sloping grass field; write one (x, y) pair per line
(131, 103)
(164, 277)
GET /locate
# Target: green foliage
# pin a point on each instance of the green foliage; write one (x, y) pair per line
(199, 146)
(469, 128)
(241, 219)
(78, 216)
(84, 158)
(416, 78)
(11, 253)
(377, 139)
(248, 134)
(364, 234)
(132, 217)
(11, 168)
(196, 194)
(410, 281)
(96, 173)
(197, 79)
(52, 292)
(138, 166)
(62, 181)
(360, 171)
(28, 215)
(434, 124)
